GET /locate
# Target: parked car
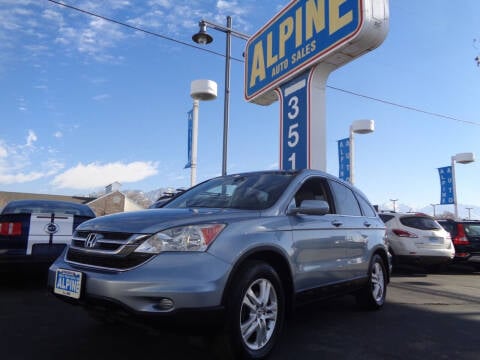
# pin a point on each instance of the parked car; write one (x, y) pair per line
(165, 197)
(235, 253)
(417, 238)
(466, 239)
(38, 230)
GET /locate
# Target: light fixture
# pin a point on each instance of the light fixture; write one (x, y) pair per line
(358, 127)
(202, 37)
(461, 158)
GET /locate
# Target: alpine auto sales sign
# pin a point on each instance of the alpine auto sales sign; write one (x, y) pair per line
(305, 33)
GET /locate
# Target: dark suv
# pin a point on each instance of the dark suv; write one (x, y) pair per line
(466, 238)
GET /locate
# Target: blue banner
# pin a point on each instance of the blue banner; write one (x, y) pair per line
(189, 139)
(446, 185)
(344, 159)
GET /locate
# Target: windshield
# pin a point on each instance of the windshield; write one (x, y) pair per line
(255, 191)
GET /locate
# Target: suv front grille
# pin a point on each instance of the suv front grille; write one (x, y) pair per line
(107, 261)
(106, 250)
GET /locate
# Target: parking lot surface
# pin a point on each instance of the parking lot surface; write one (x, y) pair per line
(426, 316)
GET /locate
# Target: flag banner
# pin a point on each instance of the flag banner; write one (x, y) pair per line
(189, 139)
(446, 185)
(344, 159)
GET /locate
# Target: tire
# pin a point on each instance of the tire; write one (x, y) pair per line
(394, 260)
(372, 296)
(255, 311)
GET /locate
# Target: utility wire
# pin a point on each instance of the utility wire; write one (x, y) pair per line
(404, 106)
(391, 103)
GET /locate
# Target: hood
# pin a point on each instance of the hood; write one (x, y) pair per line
(154, 220)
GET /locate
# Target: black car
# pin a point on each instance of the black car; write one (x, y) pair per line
(466, 238)
(38, 230)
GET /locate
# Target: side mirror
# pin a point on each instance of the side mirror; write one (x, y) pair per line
(311, 207)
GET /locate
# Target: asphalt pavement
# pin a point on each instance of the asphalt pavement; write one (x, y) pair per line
(426, 316)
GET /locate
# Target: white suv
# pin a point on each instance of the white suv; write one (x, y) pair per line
(417, 238)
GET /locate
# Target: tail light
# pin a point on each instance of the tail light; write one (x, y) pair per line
(11, 228)
(460, 238)
(403, 233)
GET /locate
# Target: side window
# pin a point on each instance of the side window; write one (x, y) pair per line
(367, 209)
(385, 217)
(312, 189)
(345, 201)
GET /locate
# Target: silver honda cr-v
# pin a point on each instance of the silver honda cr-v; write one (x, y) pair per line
(247, 247)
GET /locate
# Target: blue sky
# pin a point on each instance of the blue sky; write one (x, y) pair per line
(85, 102)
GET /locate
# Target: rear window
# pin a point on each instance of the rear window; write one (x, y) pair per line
(420, 222)
(472, 229)
(449, 226)
(48, 207)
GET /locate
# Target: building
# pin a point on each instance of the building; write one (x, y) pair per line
(113, 201)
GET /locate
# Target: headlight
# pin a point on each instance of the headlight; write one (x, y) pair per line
(183, 238)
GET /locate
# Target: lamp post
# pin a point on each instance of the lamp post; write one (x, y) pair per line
(394, 201)
(199, 90)
(469, 209)
(358, 127)
(433, 205)
(203, 38)
(461, 158)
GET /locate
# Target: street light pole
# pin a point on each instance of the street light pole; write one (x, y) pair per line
(462, 158)
(199, 90)
(203, 38)
(469, 209)
(433, 205)
(358, 127)
(394, 201)
(226, 102)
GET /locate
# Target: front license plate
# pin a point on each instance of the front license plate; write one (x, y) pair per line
(68, 283)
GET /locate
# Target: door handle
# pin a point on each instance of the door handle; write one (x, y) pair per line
(336, 223)
(367, 224)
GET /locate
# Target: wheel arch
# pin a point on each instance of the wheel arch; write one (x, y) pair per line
(276, 259)
(383, 254)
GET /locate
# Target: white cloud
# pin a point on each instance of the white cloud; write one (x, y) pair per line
(52, 167)
(19, 163)
(101, 97)
(3, 152)
(53, 16)
(96, 175)
(164, 3)
(31, 138)
(58, 134)
(19, 177)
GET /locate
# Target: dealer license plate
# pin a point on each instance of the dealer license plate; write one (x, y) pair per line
(68, 283)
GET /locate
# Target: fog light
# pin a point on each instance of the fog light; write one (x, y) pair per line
(164, 304)
(461, 254)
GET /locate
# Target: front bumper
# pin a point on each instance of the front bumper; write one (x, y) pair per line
(41, 253)
(191, 281)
